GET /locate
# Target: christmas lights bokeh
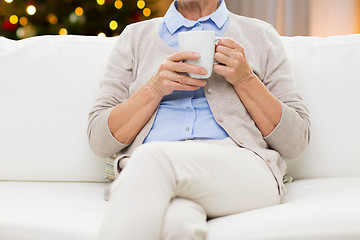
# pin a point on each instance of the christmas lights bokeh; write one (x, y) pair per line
(26, 18)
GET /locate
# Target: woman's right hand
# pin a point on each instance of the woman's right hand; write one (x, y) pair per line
(171, 74)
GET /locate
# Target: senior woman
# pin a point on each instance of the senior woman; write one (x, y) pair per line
(193, 149)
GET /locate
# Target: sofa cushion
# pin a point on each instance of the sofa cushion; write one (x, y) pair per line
(327, 73)
(48, 86)
(321, 209)
(51, 211)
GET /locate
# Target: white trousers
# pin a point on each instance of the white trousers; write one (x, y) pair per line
(169, 189)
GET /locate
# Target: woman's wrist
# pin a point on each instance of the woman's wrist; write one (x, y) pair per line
(246, 84)
(152, 92)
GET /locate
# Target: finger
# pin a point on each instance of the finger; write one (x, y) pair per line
(230, 43)
(174, 85)
(232, 53)
(223, 70)
(182, 55)
(182, 67)
(224, 50)
(178, 78)
(182, 87)
(222, 58)
(166, 75)
(234, 62)
(185, 80)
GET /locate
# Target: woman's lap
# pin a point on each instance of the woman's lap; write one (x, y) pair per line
(222, 180)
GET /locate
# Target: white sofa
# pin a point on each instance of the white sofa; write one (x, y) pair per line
(52, 185)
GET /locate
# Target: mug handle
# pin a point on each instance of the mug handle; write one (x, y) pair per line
(217, 39)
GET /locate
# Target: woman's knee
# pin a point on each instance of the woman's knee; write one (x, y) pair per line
(150, 161)
(184, 219)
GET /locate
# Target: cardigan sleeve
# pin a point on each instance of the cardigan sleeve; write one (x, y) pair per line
(292, 134)
(114, 89)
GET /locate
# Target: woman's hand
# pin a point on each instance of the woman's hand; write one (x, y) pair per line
(235, 68)
(264, 108)
(170, 76)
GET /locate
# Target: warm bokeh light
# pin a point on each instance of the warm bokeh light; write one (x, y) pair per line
(20, 32)
(100, 2)
(113, 25)
(147, 12)
(63, 31)
(118, 4)
(141, 4)
(82, 17)
(52, 19)
(79, 11)
(13, 19)
(101, 34)
(31, 9)
(23, 21)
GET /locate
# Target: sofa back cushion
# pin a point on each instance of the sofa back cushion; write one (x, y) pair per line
(48, 85)
(327, 72)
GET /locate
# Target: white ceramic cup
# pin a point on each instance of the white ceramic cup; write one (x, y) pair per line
(202, 42)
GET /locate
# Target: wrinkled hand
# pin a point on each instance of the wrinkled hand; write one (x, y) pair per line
(171, 74)
(235, 68)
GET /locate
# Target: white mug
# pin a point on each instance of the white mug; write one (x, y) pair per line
(202, 42)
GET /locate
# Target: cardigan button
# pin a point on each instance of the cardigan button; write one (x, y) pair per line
(210, 91)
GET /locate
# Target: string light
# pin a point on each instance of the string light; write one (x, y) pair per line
(118, 4)
(13, 19)
(63, 31)
(100, 2)
(147, 12)
(79, 11)
(9, 1)
(141, 4)
(113, 25)
(31, 9)
(23, 21)
(101, 34)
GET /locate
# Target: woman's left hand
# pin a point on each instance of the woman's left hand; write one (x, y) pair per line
(234, 67)
(264, 108)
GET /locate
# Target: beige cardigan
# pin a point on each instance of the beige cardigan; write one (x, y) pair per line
(137, 55)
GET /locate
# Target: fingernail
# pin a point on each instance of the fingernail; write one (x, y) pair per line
(203, 71)
(197, 55)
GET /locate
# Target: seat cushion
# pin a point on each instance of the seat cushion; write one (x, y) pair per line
(56, 211)
(311, 209)
(321, 209)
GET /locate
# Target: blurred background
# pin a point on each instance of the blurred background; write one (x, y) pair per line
(25, 18)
